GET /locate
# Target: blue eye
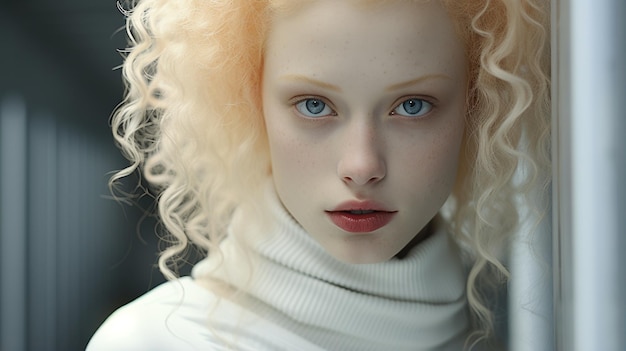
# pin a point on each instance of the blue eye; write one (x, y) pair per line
(413, 107)
(313, 108)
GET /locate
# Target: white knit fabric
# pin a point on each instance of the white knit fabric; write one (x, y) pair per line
(414, 303)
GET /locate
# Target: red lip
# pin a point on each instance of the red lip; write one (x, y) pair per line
(376, 216)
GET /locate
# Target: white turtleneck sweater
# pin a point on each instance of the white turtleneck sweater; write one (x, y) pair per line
(298, 297)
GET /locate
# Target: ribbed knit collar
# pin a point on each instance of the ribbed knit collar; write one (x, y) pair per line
(414, 303)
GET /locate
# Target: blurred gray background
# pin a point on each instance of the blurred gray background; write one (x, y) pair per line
(69, 254)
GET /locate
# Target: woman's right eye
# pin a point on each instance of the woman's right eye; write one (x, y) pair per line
(314, 108)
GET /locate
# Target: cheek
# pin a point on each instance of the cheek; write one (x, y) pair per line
(284, 149)
(434, 163)
(448, 146)
(447, 157)
(291, 158)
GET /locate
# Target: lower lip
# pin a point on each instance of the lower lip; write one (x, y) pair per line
(360, 223)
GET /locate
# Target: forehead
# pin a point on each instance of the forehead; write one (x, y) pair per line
(326, 35)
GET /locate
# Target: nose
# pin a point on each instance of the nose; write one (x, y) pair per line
(362, 160)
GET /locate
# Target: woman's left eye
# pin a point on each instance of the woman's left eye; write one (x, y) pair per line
(313, 108)
(412, 107)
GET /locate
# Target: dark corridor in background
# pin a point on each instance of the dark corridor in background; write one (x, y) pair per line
(69, 254)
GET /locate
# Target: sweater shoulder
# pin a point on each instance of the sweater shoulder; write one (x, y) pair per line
(182, 315)
(168, 317)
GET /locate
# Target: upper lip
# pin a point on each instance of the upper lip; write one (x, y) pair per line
(366, 205)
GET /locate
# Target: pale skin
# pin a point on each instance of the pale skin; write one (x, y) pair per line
(364, 104)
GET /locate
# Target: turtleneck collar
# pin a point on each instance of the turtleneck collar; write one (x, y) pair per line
(414, 303)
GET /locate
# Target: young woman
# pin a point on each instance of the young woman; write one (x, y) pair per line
(347, 167)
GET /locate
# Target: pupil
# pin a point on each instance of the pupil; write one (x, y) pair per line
(315, 106)
(412, 106)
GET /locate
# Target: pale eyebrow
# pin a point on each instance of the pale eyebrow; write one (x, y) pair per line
(305, 79)
(415, 81)
(312, 81)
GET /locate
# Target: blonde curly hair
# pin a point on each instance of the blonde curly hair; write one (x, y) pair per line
(192, 121)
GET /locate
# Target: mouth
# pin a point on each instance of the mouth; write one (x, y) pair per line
(360, 212)
(360, 217)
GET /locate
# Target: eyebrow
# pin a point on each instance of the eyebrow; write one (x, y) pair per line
(305, 79)
(415, 81)
(300, 78)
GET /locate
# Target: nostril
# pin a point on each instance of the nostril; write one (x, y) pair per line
(362, 163)
(362, 180)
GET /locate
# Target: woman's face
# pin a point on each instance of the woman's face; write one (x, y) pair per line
(364, 107)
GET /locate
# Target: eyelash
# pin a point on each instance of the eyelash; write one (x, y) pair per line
(400, 102)
(300, 100)
(304, 99)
